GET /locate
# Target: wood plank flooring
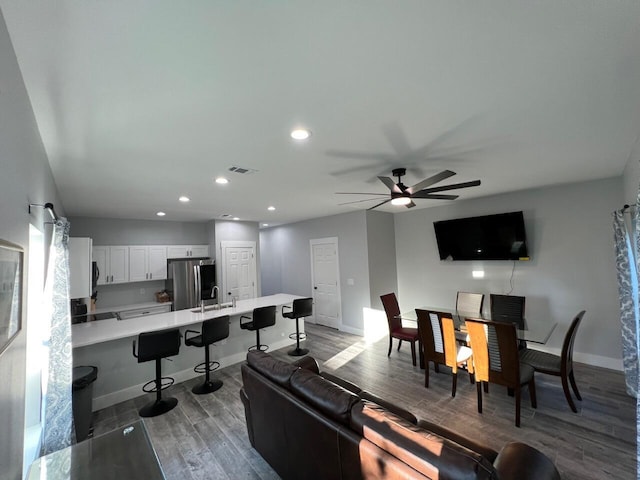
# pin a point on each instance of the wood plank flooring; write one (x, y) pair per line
(205, 436)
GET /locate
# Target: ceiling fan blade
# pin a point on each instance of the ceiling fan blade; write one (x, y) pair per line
(434, 196)
(438, 177)
(453, 186)
(379, 204)
(360, 201)
(391, 185)
(396, 137)
(410, 205)
(360, 193)
(360, 155)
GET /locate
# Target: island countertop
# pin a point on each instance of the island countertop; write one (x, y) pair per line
(84, 334)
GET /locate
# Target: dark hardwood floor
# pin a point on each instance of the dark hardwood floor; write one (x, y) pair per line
(205, 436)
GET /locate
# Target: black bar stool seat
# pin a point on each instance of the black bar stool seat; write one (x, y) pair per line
(156, 346)
(213, 330)
(302, 307)
(261, 317)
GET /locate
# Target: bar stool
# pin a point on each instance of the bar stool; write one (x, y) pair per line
(156, 346)
(302, 307)
(262, 317)
(213, 330)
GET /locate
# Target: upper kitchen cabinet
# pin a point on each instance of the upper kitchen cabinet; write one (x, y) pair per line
(147, 262)
(79, 267)
(187, 251)
(113, 264)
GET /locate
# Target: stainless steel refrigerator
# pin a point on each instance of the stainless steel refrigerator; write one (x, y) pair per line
(182, 284)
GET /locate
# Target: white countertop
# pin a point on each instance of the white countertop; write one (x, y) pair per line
(100, 331)
(124, 308)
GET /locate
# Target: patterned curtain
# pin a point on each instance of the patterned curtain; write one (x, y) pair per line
(58, 429)
(626, 249)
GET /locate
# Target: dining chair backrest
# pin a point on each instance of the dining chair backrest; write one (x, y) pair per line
(469, 302)
(495, 352)
(511, 306)
(392, 309)
(431, 336)
(450, 343)
(569, 339)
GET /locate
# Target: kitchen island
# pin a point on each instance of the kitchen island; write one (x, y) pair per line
(107, 344)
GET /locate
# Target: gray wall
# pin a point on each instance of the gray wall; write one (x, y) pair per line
(287, 264)
(631, 177)
(116, 231)
(382, 255)
(25, 178)
(572, 263)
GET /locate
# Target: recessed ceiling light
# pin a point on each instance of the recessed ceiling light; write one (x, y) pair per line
(271, 208)
(184, 199)
(221, 180)
(401, 201)
(265, 224)
(236, 218)
(300, 134)
(161, 214)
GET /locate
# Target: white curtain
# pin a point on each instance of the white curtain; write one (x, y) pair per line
(57, 419)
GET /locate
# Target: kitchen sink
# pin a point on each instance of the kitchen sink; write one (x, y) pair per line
(208, 308)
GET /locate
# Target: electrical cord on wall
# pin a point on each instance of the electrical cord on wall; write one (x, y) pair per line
(511, 278)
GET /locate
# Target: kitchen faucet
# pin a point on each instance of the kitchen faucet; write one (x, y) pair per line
(216, 290)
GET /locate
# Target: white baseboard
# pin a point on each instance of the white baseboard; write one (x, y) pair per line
(135, 391)
(351, 330)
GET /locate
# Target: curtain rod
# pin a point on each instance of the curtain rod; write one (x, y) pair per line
(48, 207)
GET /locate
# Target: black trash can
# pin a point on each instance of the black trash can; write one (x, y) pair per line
(82, 387)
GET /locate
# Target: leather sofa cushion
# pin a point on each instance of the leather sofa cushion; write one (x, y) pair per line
(308, 363)
(275, 370)
(426, 452)
(323, 395)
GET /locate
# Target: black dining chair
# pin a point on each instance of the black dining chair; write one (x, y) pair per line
(509, 308)
(559, 366)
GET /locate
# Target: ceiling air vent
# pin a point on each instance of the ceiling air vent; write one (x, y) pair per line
(242, 170)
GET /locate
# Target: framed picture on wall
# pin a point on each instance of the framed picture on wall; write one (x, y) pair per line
(11, 275)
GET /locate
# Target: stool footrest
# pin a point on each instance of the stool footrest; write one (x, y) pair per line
(202, 367)
(298, 336)
(150, 386)
(261, 347)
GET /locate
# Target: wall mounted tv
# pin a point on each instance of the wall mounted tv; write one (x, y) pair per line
(490, 237)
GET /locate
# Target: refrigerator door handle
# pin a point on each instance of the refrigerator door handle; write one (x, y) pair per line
(198, 283)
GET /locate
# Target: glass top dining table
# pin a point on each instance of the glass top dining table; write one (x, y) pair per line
(534, 332)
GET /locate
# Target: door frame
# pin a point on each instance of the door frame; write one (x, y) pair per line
(224, 244)
(320, 241)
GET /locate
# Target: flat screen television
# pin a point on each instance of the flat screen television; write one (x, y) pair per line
(490, 237)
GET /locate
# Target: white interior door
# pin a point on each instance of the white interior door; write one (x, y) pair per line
(325, 274)
(239, 277)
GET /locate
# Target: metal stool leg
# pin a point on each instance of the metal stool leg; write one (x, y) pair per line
(209, 385)
(298, 352)
(161, 405)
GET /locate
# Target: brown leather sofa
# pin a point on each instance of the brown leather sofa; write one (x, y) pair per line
(308, 425)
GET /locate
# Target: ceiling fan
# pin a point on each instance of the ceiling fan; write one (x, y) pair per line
(400, 194)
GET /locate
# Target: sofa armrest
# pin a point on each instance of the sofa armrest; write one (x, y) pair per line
(487, 452)
(517, 461)
(247, 414)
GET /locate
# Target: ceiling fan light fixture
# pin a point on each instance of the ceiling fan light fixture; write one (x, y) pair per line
(399, 201)
(300, 133)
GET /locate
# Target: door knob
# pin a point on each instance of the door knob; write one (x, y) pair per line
(315, 288)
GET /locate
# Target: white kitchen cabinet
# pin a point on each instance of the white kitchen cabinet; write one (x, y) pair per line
(79, 267)
(113, 264)
(147, 262)
(187, 251)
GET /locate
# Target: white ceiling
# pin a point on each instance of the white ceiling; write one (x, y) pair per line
(141, 102)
